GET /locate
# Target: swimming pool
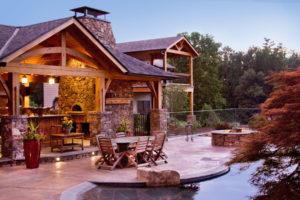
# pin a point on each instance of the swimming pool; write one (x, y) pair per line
(234, 186)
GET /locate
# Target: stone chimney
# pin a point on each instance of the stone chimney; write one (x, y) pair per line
(99, 27)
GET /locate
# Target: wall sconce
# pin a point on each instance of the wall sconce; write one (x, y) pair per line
(24, 80)
(51, 81)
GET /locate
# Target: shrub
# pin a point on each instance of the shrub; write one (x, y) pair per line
(222, 126)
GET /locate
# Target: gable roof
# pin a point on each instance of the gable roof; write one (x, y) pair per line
(14, 38)
(137, 67)
(155, 45)
(10, 42)
(148, 45)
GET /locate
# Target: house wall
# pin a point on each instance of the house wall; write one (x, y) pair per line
(143, 96)
(121, 89)
(50, 93)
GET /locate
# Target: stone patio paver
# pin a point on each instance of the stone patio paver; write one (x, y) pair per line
(50, 180)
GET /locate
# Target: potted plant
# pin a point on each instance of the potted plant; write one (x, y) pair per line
(123, 127)
(32, 145)
(67, 125)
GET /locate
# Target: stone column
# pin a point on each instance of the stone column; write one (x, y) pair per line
(100, 123)
(158, 121)
(11, 129)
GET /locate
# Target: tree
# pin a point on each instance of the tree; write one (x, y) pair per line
(250, 90)
(207, 85)
(257, 62)
(231, 68)
(176, 99)
(277, 143)
(294, 61)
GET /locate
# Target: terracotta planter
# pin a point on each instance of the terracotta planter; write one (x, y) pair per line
(128, 134)
(32, 151)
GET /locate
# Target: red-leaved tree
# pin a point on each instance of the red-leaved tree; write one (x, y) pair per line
(277, 143)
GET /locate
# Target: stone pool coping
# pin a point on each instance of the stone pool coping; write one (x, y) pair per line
(75, 192)
(221, 132)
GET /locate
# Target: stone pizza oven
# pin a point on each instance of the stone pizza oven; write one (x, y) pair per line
(76, 107)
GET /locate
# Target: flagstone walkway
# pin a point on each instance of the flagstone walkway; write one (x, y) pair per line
(50, 180)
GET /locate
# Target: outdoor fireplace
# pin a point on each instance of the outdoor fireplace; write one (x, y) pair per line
(80, 118)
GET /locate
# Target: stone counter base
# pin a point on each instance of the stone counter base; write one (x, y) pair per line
(226, 140)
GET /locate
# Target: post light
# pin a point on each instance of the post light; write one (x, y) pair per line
(58, 159)
(24, 80)
(51, 81)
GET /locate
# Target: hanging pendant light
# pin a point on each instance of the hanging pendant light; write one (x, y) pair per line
(51, 81)
(24, 80)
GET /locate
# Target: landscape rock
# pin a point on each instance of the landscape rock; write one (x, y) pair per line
(158, 177)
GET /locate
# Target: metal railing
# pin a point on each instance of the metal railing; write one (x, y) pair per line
(141, 124)
(208, 119)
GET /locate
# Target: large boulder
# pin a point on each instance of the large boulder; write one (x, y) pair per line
(158, 177)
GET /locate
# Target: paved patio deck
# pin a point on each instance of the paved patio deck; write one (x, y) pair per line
(50, 180)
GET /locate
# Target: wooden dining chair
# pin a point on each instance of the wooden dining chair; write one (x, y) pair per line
(120, 134)
(155, 152)
(139, 152)
(108, 154)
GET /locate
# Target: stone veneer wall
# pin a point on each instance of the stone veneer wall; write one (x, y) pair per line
(158, 120)
(227, 140)
(76, 90)
(100, 123)
(11, 129)
(121, 89)
(101, 29)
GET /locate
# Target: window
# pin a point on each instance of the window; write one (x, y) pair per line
(143, 107)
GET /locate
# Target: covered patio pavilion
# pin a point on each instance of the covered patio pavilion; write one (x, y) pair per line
(86, 68)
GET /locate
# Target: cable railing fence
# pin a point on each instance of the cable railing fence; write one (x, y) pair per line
(208, 119)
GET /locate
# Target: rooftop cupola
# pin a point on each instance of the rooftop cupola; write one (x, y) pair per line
(87, 11)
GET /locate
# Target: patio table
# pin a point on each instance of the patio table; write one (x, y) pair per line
(61, 137)
(123, 145)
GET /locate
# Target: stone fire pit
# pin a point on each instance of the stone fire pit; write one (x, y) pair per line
(228, 138)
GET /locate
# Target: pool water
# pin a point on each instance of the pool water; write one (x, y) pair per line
(233, 186)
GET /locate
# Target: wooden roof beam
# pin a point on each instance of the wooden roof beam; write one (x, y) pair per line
(151, 86)
(5, 87)
(57, 50)
(184, 53)
(24, 68)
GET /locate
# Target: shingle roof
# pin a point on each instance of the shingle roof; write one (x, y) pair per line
(147, 45)
(137, 67)
(25, 35)
(5, 33)
(159, 63)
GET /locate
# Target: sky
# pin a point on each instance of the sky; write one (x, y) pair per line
(239, 24)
